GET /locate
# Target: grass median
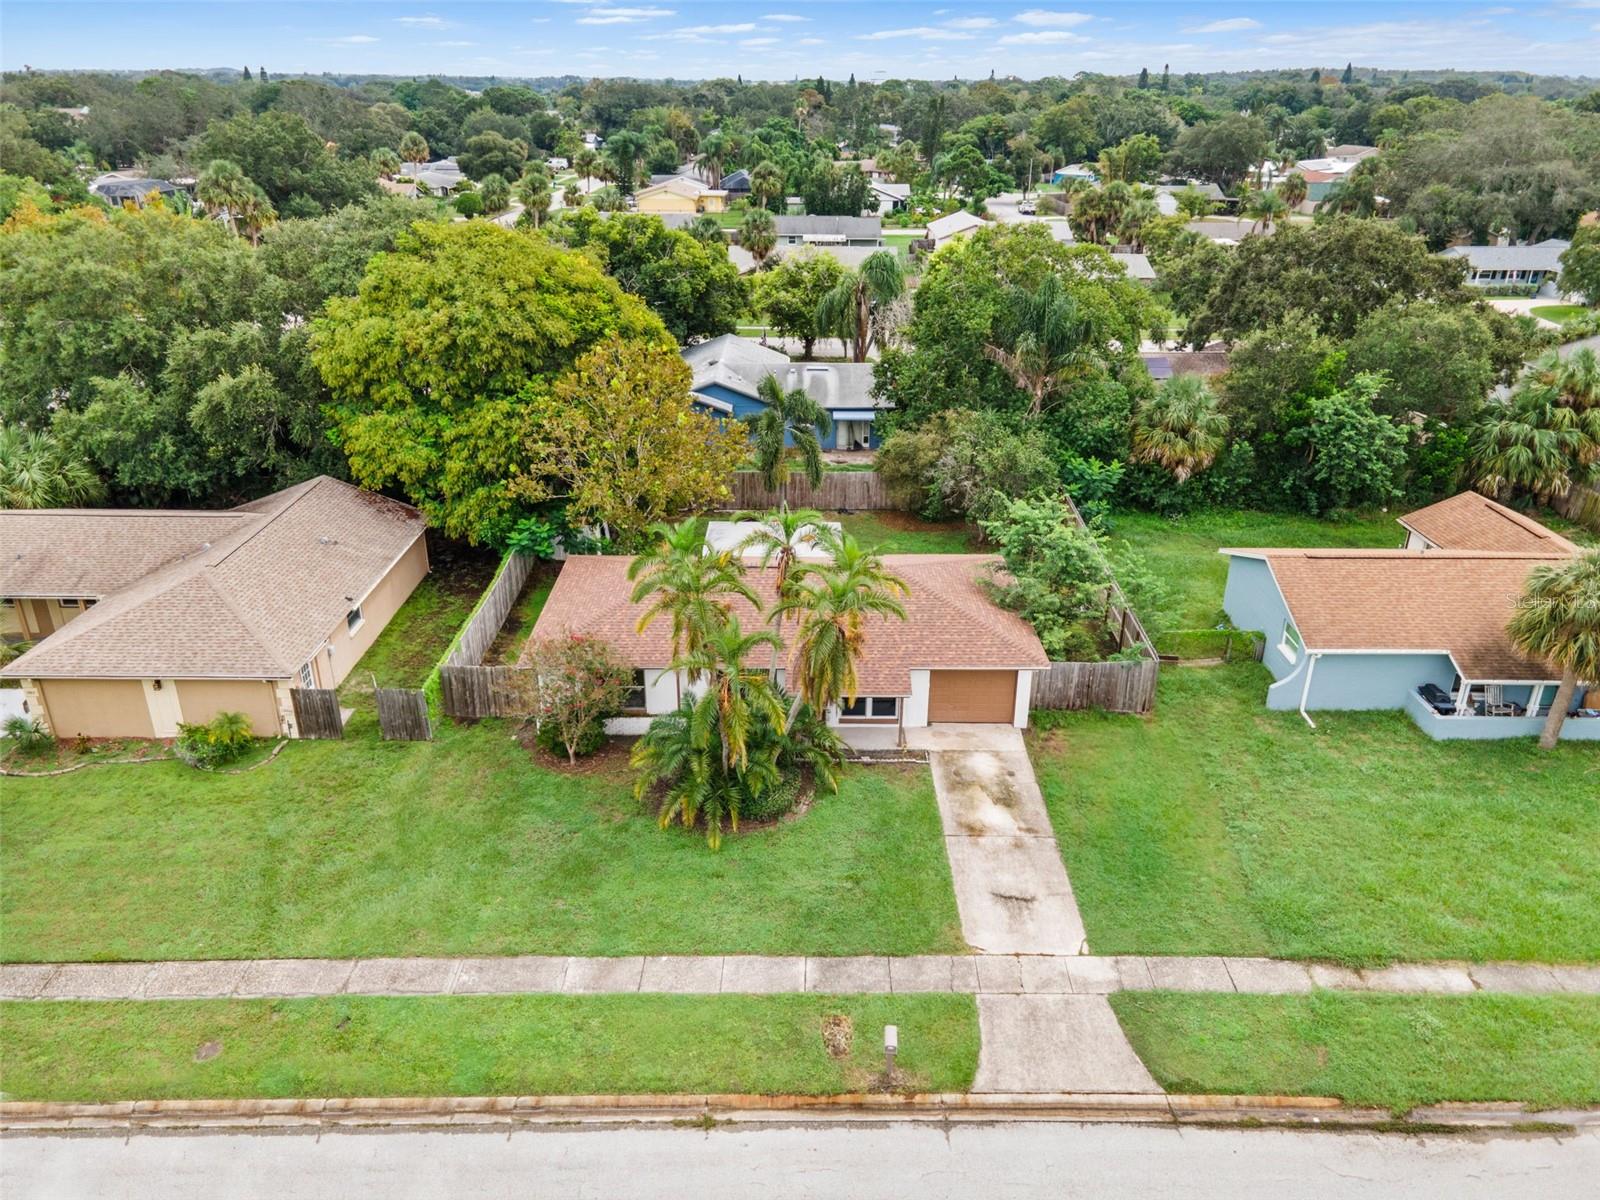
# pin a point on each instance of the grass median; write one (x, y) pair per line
(1390, 1051)
(480, 1046)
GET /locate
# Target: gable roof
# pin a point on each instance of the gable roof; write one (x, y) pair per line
(1451, 601)
(254, 602)
(1541, 256)
(950, 620)
(957, 222)
(740, 364)
(1469, 521)
(680, 185)
(736, 181)
(853, 228)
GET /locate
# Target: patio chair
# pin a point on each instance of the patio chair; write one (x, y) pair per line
(1437, 699)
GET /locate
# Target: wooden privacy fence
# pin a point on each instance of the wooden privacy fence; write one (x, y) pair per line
(839, 489)
(484, 624)
(471, 692)
(403, 714)
(316, 712)
(1125, 687)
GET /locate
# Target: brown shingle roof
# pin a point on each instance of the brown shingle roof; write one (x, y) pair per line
(1455, 601)
(94, 552)
(950, 621)
(1468, 521)
(256, 603)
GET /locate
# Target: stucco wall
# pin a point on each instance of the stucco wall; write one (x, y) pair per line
(203, 699)
(1369, 681)
(377, 608)
(1252, 601)
(34, 619)
(671, 202)
(1481, 729)
(96, 707)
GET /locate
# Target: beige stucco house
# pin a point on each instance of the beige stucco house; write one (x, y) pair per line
(680, 194)
(147, 618)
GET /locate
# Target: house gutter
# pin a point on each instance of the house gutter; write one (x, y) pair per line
(1305, 690)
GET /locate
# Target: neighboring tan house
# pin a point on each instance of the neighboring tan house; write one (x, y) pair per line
(1421, 628)
(680, 194)
(145, 618)
(948, 228)
(727, 374)
(957, 657)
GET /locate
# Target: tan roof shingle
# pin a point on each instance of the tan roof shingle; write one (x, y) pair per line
(1468, 521)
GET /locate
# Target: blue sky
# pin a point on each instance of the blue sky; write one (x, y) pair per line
(781, 39)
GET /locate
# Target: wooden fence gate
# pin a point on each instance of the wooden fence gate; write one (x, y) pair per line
(316, 712)
(403, 714)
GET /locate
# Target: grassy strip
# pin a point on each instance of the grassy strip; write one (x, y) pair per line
(1391, 1051)
(476, 1046)
(1218, 827)
(892, 532)
(430, 685)
(402, 655)
(462, 845)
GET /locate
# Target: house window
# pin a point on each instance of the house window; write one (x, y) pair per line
(307, 679)
(1291, 647)
(68, 602)
(8, 602)
(866, 707)
(353, 619)
(634, 699)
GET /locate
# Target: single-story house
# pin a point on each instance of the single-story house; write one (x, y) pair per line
(438, 178)
(956, 658)
(117, 188)
(829, 231)
(958, 223)
(1136, 265)
(737, 184)
(1489, 266)
(1167, 195)
(728, 371)
(1082, 172)
(680, 194)
(1420, 628)
(145, 618)
(848, 257)
(890, 197)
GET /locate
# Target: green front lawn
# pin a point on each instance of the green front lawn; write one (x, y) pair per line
(892, 532)
(1391, 1051)
(478, 1046)
(1560, 313)
(1182, 551)
(1217, 827)
(463, 845)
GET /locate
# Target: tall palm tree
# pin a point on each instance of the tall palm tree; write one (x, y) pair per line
(779, 536)
(1557, 620)
(1136, 215)
(833, 605)
(533, 193)
(585, 163)
(1180, 427)
(713, 157)
(1263, 208)
(758, 233)
(35, 472)
(1044, 340)
(1293, 188)
(413, 147)
(1575, 380)
(682, 582)
(845, 311)
(766, 183)
(386, 162)
(224, 188)
(787, 433)
(1534, 443)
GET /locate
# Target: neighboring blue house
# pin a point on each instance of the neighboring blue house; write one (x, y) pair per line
(1420, 628)
(728, 371)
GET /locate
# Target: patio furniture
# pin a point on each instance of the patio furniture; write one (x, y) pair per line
(1437, 699)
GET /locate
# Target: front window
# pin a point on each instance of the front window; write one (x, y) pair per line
(1291, 646)
(865, 707)
(68, 602)
(635, 695)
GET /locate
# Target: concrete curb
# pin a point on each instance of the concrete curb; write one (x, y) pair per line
(20, 1116)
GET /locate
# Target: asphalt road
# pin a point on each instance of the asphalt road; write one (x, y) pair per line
(837, 1162)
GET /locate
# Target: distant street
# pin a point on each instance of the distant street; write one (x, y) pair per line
(836, 1162)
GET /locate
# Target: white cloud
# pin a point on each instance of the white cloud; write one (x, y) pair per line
(784, 17)
(812, 42)
(1046, 16)
(1230, 25)
(742, 27)
(427, 22)
(455, 43)
(623, 16)
(970, 23)
(1041, 37)
(354, 39)
(761, 41)
(926, 33)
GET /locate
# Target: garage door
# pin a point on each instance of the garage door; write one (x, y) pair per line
(972, 697)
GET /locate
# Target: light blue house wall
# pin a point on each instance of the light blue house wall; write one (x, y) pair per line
(1478, 729)
(1252, 601)
(746, 406)
(1360, 681)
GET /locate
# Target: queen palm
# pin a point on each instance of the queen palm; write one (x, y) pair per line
(845, 310)
(586, 163)
(224, 188)
(1294, 189)
(681, 581)
(1180, 428)
(713, 157)
(833, 604)
(766, 183)
(758, 233)
(778, 537)
(1557, 620)
(1044, 340)
(787, 434)
(1263, 208)
(413, 147)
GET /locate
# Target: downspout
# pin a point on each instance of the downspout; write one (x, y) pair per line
(1305, 690)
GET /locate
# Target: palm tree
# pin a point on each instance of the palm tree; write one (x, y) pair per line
(386, 162)
(766, 183)
(1534, 443)
(706, 228)
(1180, 427)
(788, 431)
(1354, 195)
(758, 234)
(585, 162)
(624, 149)
(845, 311)
(713, 157)
(1140, 210)
(1263, 208)
(224, 188)
(533, 192)
(413, 147)
(1576, 380)
(833, 605)
(1044, 342)
(779, 536)
(496, 194)
(1293, 188)
(571, 197)
(35, 472)
(684, 583)
(1557, 620)
(255, 213)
